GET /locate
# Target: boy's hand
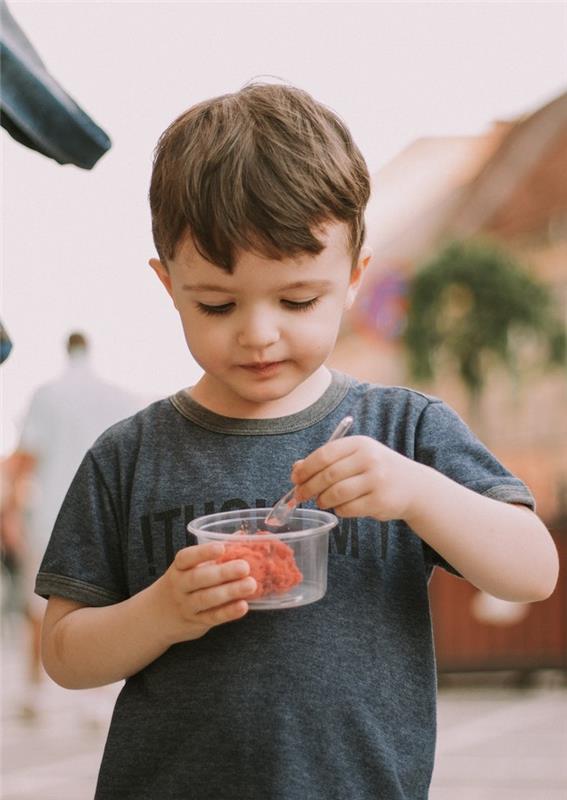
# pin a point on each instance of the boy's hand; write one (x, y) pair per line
(358, 477)
(198, 594)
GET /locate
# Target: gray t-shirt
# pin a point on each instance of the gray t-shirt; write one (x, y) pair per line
(329, 701)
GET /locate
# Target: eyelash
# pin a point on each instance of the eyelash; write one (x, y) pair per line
(226, 308)
(302, 305)
(214, 311)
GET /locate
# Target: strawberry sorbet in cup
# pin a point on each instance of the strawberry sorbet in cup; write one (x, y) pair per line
(288, 564)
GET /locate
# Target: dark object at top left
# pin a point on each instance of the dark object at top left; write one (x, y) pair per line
(36, 111)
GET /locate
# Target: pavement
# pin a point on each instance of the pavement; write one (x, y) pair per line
(495, 742)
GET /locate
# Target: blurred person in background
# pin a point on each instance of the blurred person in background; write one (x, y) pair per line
(63, 420)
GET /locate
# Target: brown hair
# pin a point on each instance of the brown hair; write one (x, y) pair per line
(77, 341)
(260, 169)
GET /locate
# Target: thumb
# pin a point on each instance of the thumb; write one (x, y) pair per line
(295, 467)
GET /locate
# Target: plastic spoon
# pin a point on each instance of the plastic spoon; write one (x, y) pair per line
(280, 513)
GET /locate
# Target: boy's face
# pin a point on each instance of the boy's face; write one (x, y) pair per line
(263, 333)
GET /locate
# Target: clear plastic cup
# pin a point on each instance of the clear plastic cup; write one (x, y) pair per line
(290, 566)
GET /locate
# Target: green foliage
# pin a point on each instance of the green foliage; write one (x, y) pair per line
(473, 303)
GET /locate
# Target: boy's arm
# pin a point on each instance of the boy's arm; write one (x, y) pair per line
(503, 549)
(85, 646)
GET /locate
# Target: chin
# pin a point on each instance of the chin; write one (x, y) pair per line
(268, 391)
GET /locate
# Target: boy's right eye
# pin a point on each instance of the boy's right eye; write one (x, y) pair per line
(225, 308)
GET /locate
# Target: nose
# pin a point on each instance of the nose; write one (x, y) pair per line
(258, 330)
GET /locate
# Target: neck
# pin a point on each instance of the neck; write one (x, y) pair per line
(215, 399)
(77, 357)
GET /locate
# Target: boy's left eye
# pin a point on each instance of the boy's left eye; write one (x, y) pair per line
(300, 305)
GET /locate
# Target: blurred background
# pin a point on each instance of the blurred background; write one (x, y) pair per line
(461, 112)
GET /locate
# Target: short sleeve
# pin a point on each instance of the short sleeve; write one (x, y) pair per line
(83, 560)
(443, 441)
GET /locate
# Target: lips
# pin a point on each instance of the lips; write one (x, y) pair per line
(263, 368)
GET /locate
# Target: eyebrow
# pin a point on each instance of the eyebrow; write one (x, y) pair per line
(211, 287)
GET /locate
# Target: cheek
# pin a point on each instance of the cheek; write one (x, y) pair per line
(318, 334)
(201, 335)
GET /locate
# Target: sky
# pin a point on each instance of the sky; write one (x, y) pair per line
(76, 243)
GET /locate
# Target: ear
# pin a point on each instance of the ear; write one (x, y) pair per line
(163, 274)
(356, 276)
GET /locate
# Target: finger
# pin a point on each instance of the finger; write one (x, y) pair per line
(345, 492)
(214, 596)
(336, 472)
(189, 557)
(211, 574)
(221, 614)
(323, 457)
(354, 508)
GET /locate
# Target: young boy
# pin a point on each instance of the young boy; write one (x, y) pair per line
(258, 202)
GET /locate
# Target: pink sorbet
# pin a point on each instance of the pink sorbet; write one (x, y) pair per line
(272, 564)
